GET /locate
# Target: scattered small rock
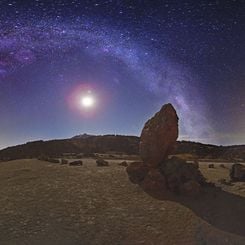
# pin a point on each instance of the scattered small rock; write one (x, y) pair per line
(64, 161)
(124, 164)
(102, 163)
(76, 163)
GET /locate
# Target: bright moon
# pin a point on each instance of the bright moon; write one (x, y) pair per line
(87, 101)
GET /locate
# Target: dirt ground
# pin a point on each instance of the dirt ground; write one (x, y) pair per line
(45, 203)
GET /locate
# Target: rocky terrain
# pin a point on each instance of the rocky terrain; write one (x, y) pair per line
(85, 197)
(48, 203)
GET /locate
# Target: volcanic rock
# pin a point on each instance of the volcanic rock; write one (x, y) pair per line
(63, 161)
(154, 182)
(157, 174)
(137, 172)
(101, 162)
(76, 163)
(158, 136)
(178, 172)
(124, 164)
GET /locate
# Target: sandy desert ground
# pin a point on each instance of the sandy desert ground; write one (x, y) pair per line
(45, 203)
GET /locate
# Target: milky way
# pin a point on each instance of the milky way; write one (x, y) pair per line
(43, 60)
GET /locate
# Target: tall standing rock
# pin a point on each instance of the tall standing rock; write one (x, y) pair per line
(158, 175)
(158, 136)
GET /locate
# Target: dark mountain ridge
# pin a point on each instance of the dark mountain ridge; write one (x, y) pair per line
(114, 143)
(77, 144)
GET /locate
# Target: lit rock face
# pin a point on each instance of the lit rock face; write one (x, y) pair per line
(158, 136)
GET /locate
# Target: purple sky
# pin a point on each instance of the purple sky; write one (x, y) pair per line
(132, 58)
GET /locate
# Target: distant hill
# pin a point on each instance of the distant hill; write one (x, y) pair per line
(210, 151)
(78, 144)
(114, 143)
(82, 136)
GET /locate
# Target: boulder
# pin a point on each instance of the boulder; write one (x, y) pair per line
(124, 164)
(137, 172)
(101, 162)
(237, 172)
(76, 163)
(158, 136)
(178, 173)
(64, 161)
(211, 165)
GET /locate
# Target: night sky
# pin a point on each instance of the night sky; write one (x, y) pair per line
(131, 57)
